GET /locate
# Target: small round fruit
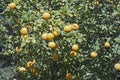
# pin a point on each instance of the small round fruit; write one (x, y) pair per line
(75, 47)
(23, 37)
(22, 69)
(50, 36)
(17, 49)
(56, 33)
(68, 76)
(73, 54)
(52, 45)
(24, 31)
(55, 57)
(44, 36)
(96, 2)
(107, 45)
(75, 26)
(29, 64)
(68, 28)
(93, 54)
(12, 5)
(117, 66)
(46, 15)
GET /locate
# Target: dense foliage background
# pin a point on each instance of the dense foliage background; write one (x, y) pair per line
(98, 21)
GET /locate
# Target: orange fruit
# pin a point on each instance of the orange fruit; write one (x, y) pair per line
(96, 2)
(22, 69)
(12, 5)
(29, 64)
(24, 31)
(55, 57)
(93, 54)
(56, 33)
(23, 37)
(75, 47)
(117, 66)
(107, 45)
(17, 49)
(52, 45)
(73, 54)
(46, 15)
(75, 26)
(68, 76)
(68, 28)
(50, 36)
(44, 36)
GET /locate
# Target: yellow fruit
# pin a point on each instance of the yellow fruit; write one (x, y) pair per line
(75, 26)
(46, 15)
(107, 45)
(24, 31)
(68, 28)
(22, 69)
(55, 57)
(29, 64)
(75, 47)
(33, 61)
(33, 69)
(18, 49)
(50, 36)
(93, 54)
(117, 66)
(44, 36)
(96, 2)
(56, 33)
(73, 54)
(23, 37)
(52, 45)
(12, 5)
(68, 76)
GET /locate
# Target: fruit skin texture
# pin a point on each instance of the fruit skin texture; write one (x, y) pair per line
(44, 36)
(75, 26)
(117, 66)
(75, 47)
(30, 64)
(68, 28)
(107, 45)
(50, 36)
(46, 15)
(68, 76)
(12, 5)
(52, 45)
(56, 33)
(73, 54)
(24, 31)
(93, 54)
(55, 57)
(22, 69)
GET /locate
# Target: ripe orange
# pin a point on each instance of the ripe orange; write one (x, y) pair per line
(44, 36)
(56, 33)
(75, 26)
(24, 31)
(93, 54)
(22, 69)
(68, 76)
(55, 57)
(46, 15)
(68, 28)
(107, 45)
(117, 66)
(29, 64)
(73, 54)
(96, 2)
(17, 49)
(52, 45)
(75, 47)
(50, 36)
(12, 5)
(23, 37)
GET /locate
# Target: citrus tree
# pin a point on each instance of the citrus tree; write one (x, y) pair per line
(62, 39)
